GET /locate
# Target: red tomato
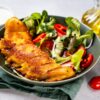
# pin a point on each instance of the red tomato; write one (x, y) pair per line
(86, 62)
(47, 44)
(95, 83)
(39, 38)
(61, 30)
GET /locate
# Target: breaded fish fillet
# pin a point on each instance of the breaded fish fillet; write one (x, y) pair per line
(28, 59)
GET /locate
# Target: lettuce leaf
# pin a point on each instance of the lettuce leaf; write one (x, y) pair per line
(76, 59)
(73, 23)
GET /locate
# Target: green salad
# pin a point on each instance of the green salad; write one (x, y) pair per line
(64, 43)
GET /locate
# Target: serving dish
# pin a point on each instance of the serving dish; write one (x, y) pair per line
(94, 49)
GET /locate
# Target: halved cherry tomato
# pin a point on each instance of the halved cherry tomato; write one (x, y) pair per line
(86, 62)
(95, 83)
(39, 38)
(48, 44)
(61, 30)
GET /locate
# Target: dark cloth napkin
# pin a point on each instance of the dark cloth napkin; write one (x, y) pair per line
(62, 92)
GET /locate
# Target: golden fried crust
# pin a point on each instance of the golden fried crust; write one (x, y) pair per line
(62, 72)
(16, 31)
(14, 25)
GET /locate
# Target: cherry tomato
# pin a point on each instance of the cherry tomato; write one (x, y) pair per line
(61, 30)
(47, 44)
(95, 83)
(86, 62)
(39, 38)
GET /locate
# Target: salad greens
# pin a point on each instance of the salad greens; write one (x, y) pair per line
(38, 23)
(70, 37)
(57, 48)
(75, 59)
(73, 23)
(74, 30)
